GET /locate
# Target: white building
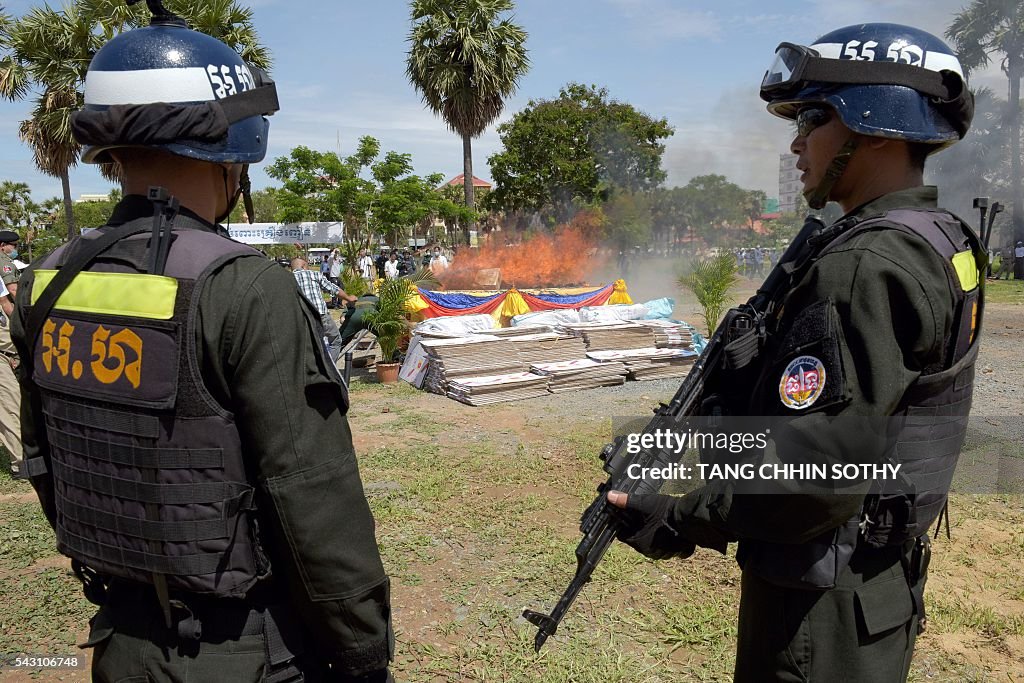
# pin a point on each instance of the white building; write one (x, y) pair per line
(789, 183)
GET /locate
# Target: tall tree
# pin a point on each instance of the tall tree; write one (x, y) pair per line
(980, 164)
(321, 186)
(577, 149)
(46, 53)
(16, 207)
(987, 27)
(712, 203)
(465, 61)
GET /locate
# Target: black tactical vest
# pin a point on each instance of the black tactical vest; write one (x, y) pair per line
(930, 423)
(934, 411)
(149, 479)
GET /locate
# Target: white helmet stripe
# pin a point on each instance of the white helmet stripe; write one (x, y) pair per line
(898, 52)
(187, 84)
(828, 50)
(938, 61)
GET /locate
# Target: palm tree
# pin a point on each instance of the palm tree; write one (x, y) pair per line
(465, 61)
(47, 54)
(997, 26)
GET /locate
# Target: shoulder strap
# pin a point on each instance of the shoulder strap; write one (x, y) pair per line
(77, 261)
(949, 236)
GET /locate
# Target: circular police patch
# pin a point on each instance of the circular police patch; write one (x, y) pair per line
(802, 382)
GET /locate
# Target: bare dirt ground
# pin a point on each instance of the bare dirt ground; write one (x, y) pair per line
(477, 511)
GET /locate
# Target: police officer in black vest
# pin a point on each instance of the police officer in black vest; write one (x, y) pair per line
(878, 327)
(183, 425)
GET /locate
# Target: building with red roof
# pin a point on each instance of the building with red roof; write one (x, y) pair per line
(459, 180)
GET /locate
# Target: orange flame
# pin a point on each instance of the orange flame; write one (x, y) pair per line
(545, 260)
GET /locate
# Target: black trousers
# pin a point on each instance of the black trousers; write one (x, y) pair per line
(861, 631)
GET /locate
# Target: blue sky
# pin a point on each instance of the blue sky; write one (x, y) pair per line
(340, 68)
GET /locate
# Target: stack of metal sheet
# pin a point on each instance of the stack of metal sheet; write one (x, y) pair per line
(584, 373)
(471, 356)
(607, 336)
(670, 334)
(548, 348)
(645, 364)
(478, 391)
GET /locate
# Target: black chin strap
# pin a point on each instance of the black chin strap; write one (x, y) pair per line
(819, 194)
(244, 192)
(245, 187)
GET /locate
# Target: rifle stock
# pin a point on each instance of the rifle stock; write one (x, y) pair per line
(599, 523)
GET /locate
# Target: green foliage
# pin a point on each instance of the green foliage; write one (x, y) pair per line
(35, 223)
(710, 280)
(352, 283)
(322, 186)
(627, 220)
(580, 147)
(387, 321)
(712, 201)
(17, 210)
(88, 214)
(46, 54)
(983, 28)
(979, 165)
(265, 206)
(465, 60)
(279, 251)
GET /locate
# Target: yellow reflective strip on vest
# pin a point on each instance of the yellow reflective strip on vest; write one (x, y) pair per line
(136, 295)
(966, 270)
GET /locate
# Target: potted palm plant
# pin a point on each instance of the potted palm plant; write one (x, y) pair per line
(388, 322)
(711, 281)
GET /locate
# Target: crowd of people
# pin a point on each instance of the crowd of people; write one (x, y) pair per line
(756, 261)
(1003, 261)
(388, 263)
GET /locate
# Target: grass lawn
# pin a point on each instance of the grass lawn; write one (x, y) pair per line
(477, 512)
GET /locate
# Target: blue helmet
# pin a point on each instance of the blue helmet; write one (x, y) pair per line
(168, 87)
(884, 80)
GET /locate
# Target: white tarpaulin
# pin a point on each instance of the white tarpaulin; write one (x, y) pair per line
(286, 233)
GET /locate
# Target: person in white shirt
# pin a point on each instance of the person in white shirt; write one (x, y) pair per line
(438, 262)
(335, 267)
(365, 265)
(391, 267)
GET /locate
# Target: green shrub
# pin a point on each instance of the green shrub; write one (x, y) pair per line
(710, 280)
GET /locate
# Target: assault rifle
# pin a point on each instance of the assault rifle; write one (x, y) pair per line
(734, 344)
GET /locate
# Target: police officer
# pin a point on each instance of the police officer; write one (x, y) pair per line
(10, 394)
(878, 322)
(183, 425)
(8, 252)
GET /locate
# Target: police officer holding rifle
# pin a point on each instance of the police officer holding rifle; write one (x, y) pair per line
(874, 321)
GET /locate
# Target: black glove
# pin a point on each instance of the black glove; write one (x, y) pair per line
(645, 527)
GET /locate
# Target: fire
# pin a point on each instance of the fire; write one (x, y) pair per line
(562, 258)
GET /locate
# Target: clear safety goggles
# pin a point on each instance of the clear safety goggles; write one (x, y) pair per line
(786, 74)
(795, 66)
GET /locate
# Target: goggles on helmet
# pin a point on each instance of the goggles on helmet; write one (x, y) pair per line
(795, 66)
(785, 75)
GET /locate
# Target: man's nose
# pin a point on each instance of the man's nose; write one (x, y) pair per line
(798, 144)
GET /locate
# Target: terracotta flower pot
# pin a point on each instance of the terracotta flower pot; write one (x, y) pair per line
(387, 372)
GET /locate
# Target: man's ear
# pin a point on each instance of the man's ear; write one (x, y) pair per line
(876, 142)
